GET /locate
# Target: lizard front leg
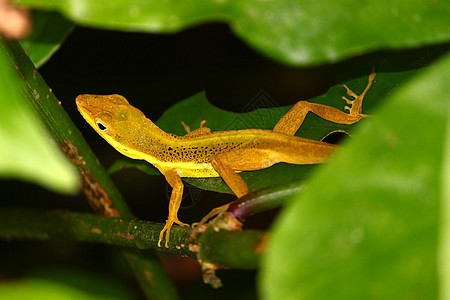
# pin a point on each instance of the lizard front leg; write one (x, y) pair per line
(202, 130)
(175, 182)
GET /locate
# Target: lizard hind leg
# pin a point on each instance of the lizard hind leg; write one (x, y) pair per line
(214, 212)
(293, 119)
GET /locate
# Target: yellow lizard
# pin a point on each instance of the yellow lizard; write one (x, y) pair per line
(202, 153)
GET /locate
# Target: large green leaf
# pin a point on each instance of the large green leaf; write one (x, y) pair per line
(26, 150)
(50, 29)
(297, 31)
(35, 288)
(265, 118)
(444, 249)
(367, 226)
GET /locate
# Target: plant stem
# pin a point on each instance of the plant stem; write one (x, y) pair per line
(231, 249)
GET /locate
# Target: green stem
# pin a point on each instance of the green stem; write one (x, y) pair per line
(263, 200)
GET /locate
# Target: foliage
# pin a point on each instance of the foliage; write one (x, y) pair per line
(295, 32)
(384, 242)
(370, 223)
(27, 152)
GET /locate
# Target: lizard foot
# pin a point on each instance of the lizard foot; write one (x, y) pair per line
(356, 104)
(166, 229)
(198, 227)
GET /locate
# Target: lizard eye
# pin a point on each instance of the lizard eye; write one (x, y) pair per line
(101, 126)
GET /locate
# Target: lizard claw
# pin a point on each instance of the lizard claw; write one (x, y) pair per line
(347, 100)
(181, 223)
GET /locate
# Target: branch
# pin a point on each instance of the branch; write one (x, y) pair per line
(230, 249)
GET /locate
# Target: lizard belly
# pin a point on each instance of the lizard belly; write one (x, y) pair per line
(189, 169)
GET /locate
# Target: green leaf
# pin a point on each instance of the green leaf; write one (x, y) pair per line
(50, 29)
(299, 32)
(217, 119)
(89, 282)
(35, 288)
(367, 226)
(444, 249)
(27, 152)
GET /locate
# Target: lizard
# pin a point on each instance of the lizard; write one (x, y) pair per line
(202, 153)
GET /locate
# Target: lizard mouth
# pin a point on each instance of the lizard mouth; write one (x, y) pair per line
(87, 115)
(80, 102)
(84, 112)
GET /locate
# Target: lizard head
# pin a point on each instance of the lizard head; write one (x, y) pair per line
(112, 117)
